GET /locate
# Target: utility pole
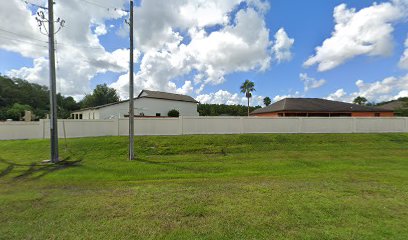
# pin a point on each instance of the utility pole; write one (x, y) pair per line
(53, 88)
(131, 89)
(41, 19)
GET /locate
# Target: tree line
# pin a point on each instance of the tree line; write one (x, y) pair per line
(224, 110)
(18, 96)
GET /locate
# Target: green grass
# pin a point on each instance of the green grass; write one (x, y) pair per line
(338, 186)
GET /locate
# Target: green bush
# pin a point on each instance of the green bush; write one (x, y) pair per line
(173, 113)
(16, 112)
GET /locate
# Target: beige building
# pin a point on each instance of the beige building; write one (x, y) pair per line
(147, 104)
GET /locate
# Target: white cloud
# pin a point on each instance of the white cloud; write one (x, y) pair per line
(339, 95)
(186, 89)
(80, 56)
(310, 83)
(29, 42)
(225, 97)
(178, 43)
(101, 30)
(282, 46)
(404, 58)
(388, 89)
(403, 93)
(280, 97)
(173, 42)
(364, 32)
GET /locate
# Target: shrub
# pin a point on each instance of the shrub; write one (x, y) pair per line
(173, 113)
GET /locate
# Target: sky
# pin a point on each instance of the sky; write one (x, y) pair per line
(337, 49)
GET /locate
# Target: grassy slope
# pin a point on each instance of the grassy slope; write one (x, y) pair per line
(209, 187)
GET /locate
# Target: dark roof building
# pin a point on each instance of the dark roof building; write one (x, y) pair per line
(316, 107)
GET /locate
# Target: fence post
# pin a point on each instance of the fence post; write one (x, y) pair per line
(115, 127)
(242, 130)
(354, 125)
(180, 119)
(406, 124)
(43, 128)
(300, 127)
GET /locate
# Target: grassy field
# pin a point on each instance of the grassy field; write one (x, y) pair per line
(338, 186)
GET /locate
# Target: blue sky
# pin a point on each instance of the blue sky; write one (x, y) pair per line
(207, 49)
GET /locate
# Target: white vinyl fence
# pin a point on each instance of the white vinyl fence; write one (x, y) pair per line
(201, 125)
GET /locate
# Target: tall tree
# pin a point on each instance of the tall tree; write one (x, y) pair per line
(25, 93)
(248, 87)
(35, 96)
(267, 101)
(360, 100)
(101, 95)
(66, 105)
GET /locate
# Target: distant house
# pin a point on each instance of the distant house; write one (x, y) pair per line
(147, 104)
(315, 107)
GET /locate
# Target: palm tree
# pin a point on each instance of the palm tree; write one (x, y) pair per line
(267, 101)
(248, 87)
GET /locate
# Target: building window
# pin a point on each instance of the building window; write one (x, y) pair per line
(80, 116)
(158, 114)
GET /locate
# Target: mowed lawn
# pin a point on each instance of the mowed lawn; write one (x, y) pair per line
(274, 186)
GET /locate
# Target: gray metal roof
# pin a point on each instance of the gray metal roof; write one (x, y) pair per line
(149, 94)
(166, 95)
(316, 105)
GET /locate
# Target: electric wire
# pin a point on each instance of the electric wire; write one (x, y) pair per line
(22, 35)
(104, 7)
(33, 4)
(23, 41)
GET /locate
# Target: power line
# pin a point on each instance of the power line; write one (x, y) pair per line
(20, 40)
(30, 38)
(78, 46)
(105, 7)
(33, 4)
(22, 35)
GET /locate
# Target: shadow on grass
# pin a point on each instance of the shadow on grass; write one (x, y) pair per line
(35, 170)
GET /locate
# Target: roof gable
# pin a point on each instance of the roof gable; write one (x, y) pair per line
(166, 96)
(149, 94)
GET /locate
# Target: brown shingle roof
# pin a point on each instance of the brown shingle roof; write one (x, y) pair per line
(315, 105)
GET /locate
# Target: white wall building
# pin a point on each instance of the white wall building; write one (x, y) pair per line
(148, 103)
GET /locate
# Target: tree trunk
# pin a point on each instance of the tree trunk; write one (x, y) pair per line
(248, 106)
